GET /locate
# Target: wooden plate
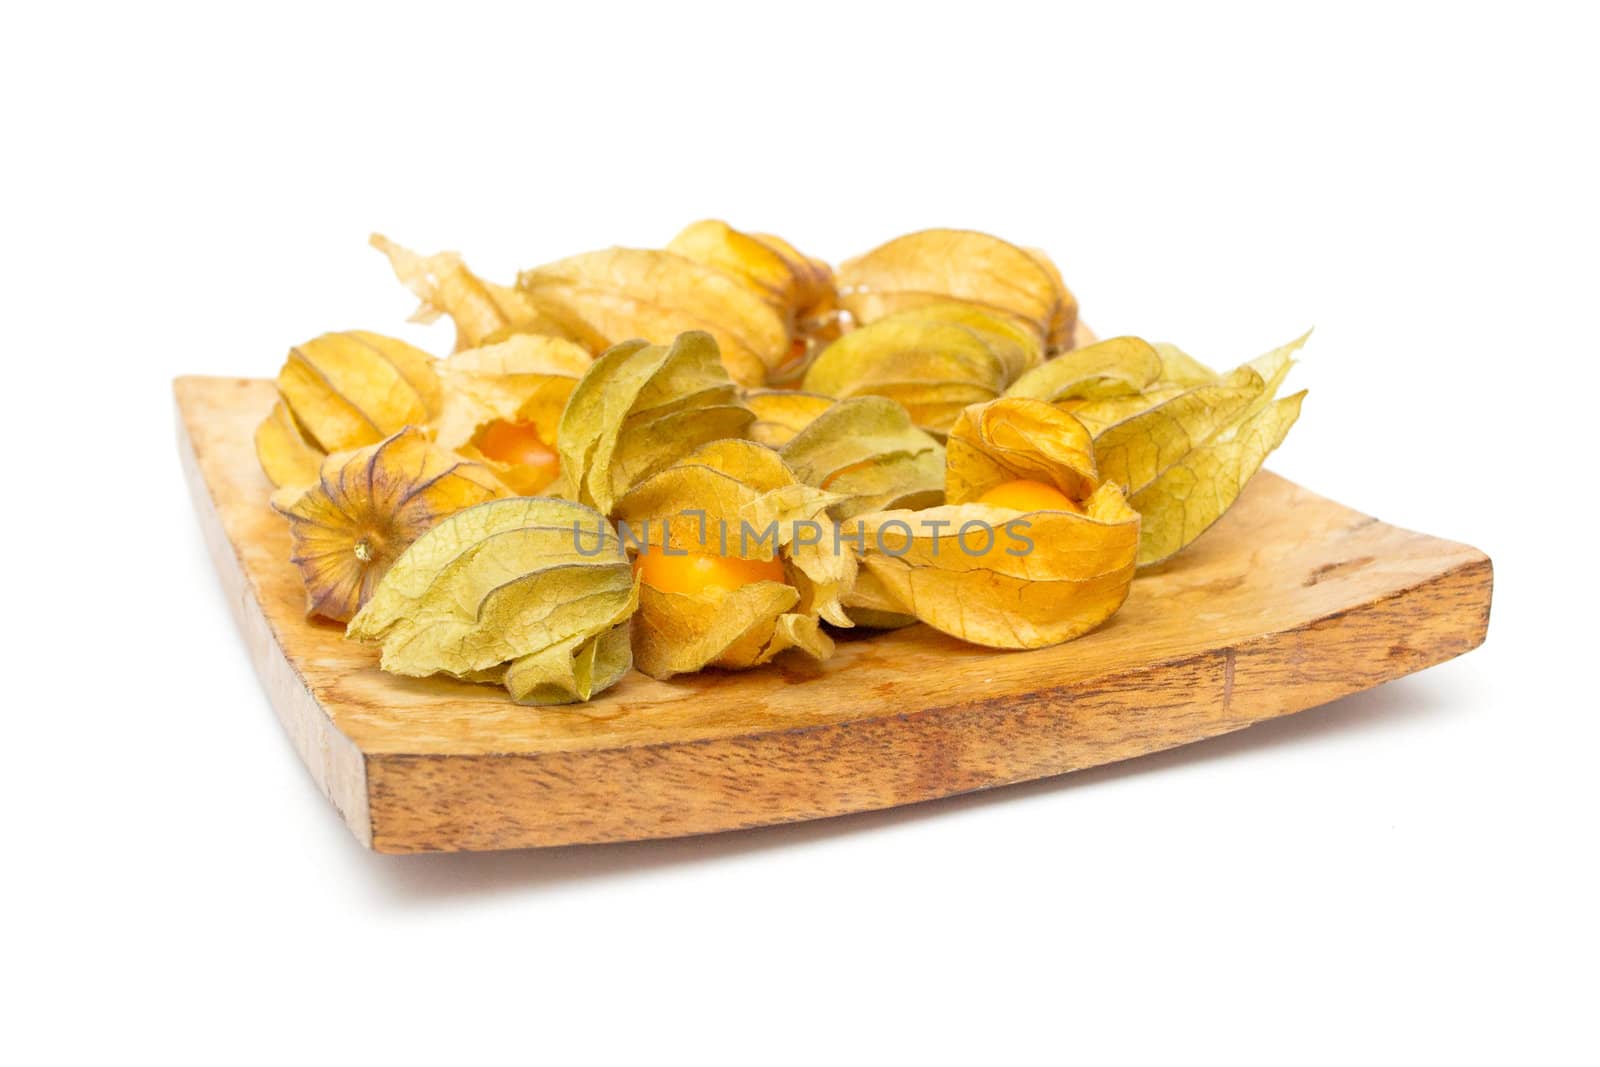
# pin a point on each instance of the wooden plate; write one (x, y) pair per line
(1289, 602)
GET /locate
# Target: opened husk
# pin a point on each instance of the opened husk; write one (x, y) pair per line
(994, 575)
(1002, 578)
(525, 379)
(736, 498)
(651, 373)
(1018, 439)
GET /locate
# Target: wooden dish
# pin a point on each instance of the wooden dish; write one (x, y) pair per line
(1290, 601)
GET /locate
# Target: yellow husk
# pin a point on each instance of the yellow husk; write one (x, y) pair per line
(1117, 366)
(621, 294)
(366, 508)
(535, 591)
(1046, 576)
(1016, 438)
(995, 576)
(1180, 368)
(285, 455)
(736, 497)
(524, 379)
(639, 409)
(1064, 323)
(933, 366)
(934, 266)
(1184, 454)
(1192, 494)
(346, 390)
(1015, 346)
(399, 523)
(482, 311)
(796, 286)
(866, 450)
(782, 413)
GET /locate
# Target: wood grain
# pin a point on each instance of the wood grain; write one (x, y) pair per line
(1289, 602)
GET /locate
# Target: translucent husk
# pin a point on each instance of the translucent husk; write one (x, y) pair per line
(1184, 450)
(482, 311)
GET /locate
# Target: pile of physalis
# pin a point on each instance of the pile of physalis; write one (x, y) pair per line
(712, 454)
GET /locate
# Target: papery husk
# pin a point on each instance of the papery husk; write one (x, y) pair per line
(1013, 343)
(680, 633)
(572, 671)
(1018, 438)
(934, 406)
(366, 508)
(1180, 368)
(1134, 451)
(1192, 494)
(1117, 366)
(782, 413)
(620, 294)
(871, 606)
(1045, 577)
(482, 311)
(866, 450)
(287, 457)
(525, 379)
(798, 287)
(1062, 333)
(351, 389)
(993, 575)
(933, 367)
(1184, 457)
(1100, 413)
(933, 266)
(639, 409)
(736, 497)
(536, 592)
(816, 300)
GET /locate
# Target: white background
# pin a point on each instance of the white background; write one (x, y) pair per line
(1405, 876)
